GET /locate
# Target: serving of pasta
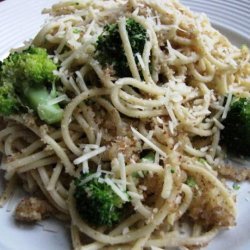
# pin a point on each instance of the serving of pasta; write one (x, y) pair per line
(124, 132)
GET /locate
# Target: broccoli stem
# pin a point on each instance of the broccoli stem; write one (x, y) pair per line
(38, 99)
(149, 157)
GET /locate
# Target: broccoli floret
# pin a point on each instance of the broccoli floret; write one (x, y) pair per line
(27, 80)
(149, 157)
(109, 49)
(8, 101)
(191, 182)
(96, 201)
(236, 134)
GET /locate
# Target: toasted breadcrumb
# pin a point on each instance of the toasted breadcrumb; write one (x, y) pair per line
(153, 187)
(208, 206)
(126, 145)
(234, 173)
(32, 209)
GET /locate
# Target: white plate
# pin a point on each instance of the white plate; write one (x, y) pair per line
(20, 20)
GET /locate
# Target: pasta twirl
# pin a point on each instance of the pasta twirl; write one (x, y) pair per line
(171, 104)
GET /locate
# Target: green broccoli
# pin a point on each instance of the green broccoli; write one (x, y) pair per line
(236, 134)
(109, 49)
(149, 157)
(8, 102)
(27, 81)
(96, 201)
(191, 182)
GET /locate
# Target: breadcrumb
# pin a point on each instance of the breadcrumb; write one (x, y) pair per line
(32, 209)
(234, 173)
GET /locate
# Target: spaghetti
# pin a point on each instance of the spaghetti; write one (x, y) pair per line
(171, 105)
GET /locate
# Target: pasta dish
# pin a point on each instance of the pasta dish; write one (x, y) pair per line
(117, 119)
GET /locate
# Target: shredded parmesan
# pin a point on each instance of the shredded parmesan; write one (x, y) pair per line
(122, 170)
(115, 188)
(90, 177)
(90, 146)
(159, 120)
(58, 99)
(98, 138)
(157, 157)
(150, 134)
(85, 164)
(140, 60)
(85, 167)
(171, 114)
(89, 155)
(81, 81)
(156, 248)
(125, 230)
(148, 142)
(227, 106)
(171, 127)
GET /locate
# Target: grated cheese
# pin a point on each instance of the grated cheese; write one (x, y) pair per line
(150, 134)
(73, 85)
(122, 170)
(171, 114)
(227, 105)
(58, 99)
(89, 155)
(156, 248)
(90, 146)
(140, 173)
(99, 168)
(81, 82)
(85, 167)
(125, 230)
(118, 191)
(159, 120)
(140, 61)
(89, 30)
(148, 142)
(215, 143)
(85, 164)
(119, 181)
(171, 127)
(204, 149)
(143, 188)
(98, 138)
(176, 146)
(157, 158)
(90, 177)
(136, 11)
